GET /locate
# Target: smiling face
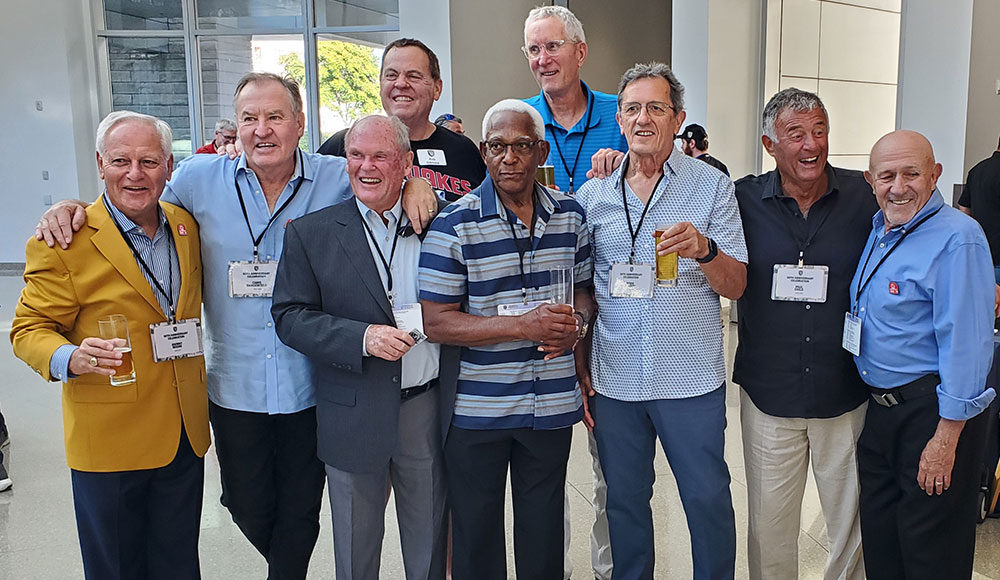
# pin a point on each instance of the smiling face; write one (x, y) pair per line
(649, 134)
(268, 125)
(375, 163)
(513, 173)
(407, 89)
(802, 146)
(903, 175)
(134, 169)
(560, 72)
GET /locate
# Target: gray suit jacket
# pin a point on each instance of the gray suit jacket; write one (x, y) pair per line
(326, 293)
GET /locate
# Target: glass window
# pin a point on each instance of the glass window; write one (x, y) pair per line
(244, 14)
(142, 15)
(331, 13)
(348, 81)
(148, 75)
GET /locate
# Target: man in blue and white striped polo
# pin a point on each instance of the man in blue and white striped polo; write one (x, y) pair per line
(485, 284)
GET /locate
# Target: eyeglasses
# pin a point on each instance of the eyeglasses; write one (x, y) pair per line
(551, 48)
(497, 148)
(653, 108)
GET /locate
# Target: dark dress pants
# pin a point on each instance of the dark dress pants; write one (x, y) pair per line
(272, 483)
(141, 524)
(476, 466)
(907, 534)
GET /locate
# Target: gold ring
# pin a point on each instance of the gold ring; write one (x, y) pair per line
(93, 361)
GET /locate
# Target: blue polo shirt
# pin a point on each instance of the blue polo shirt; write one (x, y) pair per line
(928, 308)
(578, 144)
(470, 256)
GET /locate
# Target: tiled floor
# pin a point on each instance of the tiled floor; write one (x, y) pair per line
(38, 533)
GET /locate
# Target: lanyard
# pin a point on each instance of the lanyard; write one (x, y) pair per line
(861, 288)
(802, 244)
(387, 264)
(628, 215)
(517, 243)
(256, 239)
(172, 312)
(586, 129)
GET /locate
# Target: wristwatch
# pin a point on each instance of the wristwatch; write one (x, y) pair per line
(584, 325)
(713, 251)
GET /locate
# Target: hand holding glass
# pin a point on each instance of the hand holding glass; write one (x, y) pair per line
(561, 286)
(116, 326)
(666, 266)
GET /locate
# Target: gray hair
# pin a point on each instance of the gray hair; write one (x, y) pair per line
(290, 85)
(515, 106)
(225, 125)
(399, 129)
(791, 99)
(654, 70)
(571, 24)
(118, 117)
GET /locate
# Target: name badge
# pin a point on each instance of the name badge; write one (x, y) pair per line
(173, 340)
(631, 280)
(431, 157)
(796, 283)
(519, 308)
(252, 279)
(852, 334)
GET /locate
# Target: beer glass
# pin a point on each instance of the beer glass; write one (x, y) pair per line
(546, 175)
(561, 286)
(116, 326)
(666, 266)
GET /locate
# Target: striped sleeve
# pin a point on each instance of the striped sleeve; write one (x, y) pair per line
(443, 275)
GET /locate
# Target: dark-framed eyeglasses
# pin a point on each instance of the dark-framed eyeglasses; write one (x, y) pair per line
(653, 108)
(551, 48)
(497, 148)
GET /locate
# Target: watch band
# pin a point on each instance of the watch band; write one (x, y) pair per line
(713, 251)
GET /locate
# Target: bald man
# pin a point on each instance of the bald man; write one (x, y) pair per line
(920, 328)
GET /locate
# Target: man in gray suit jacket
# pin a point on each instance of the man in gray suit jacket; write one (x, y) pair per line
(346, 296)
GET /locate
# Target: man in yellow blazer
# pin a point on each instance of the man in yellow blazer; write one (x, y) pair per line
(136, 450)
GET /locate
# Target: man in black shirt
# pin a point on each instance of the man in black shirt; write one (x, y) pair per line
(806, 224)
(410, 82)
(695, 144)
(981, 200)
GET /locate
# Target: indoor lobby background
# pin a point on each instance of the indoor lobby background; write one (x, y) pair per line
(927, 65)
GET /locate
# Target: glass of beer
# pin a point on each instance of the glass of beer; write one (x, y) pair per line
(116, 326)
(666, 266)
(546, 175)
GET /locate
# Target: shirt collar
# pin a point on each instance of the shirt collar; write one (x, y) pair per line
(934, 203)
(303, 166)
(547, 117)
(126, 224)
(490, 200)
(773, 186)
(396, 211)
(671, 166)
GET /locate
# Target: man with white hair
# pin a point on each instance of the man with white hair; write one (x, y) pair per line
(225, 133)
(485, 285)
(137, 422)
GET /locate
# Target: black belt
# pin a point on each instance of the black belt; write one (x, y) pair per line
(410, 392)
(921, 387)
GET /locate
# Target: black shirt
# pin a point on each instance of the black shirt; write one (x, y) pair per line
(451, 162)
(982, 195)
(789, 359)
(714, 163)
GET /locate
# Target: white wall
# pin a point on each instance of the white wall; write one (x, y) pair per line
(933, 94)
(689, 58)
(428, 21)
(46, 48)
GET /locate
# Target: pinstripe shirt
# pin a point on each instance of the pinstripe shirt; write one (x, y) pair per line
(470, 256)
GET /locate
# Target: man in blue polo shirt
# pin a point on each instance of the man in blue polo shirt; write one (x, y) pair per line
(485, 285)
(578, 120)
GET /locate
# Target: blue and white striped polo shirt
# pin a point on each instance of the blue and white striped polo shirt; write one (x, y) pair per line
(469, 256)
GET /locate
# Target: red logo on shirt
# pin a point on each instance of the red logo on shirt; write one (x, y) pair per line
(287, 222)
(181, 230)
(893, 288)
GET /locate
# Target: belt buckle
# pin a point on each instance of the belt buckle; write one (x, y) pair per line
(886, 399)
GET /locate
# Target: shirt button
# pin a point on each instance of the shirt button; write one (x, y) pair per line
(862, 309)
(268, 356)
(807, 369)
(268, 256)
(270, 324)
(882, 245)
(808, 306)
(864, 373)
(395, 379)
(808, 339)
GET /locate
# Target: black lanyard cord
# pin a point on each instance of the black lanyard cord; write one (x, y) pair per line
(172, 312)
(517, 243)
(861, 287)
(387, 264)
(628, 214)
(586, 129)
(802, 244)
(256, 239)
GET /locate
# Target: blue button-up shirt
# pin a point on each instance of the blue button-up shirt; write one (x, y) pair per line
(928, 308)
(670, 346)
(159, 255)
(249, 368)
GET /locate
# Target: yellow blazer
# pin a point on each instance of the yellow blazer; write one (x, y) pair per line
(109, 428)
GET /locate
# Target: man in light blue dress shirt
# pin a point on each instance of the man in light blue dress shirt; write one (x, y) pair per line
(920, 327)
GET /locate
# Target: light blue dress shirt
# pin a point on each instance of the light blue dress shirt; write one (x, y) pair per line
(928, 308)
(249, 368)
(161, 257)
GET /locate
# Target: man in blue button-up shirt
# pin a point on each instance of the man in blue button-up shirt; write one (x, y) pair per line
(923, 297)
